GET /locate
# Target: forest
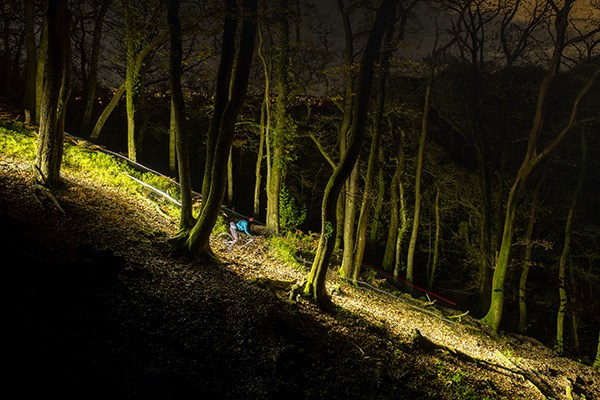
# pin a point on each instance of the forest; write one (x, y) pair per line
(452, 144)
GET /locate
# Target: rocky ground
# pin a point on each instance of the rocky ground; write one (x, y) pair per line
(98, 307)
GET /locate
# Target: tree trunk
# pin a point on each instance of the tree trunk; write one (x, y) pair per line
(229, 201)
(562, 265)
(40, 75)
(31, 62)
(374, 235)
(131, 80)
(139, 61)
(596, 365)
(172, 143)
(531, 159)
(281, 129)
(350, 206)
(90, 89)
(107, 111)
(527, 261)
(178, 119)
(367, 200)
(402, 231)
(265, 125)
(396, 211)
(223, 123)
(344, 129)
(412, 246)
(56, 93)
(574, 316)
(436, 241)
(315, 284)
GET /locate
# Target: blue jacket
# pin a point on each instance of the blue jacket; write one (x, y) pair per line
(242, 226)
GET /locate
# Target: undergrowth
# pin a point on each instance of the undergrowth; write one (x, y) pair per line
(17, 141)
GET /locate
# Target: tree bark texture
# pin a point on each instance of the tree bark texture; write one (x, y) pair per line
(55, 95)
(527, 258)
(347, 106)
(31, 62)
(315, 285)
(90, 87)
(280, 132)
(40, 73)
(531, 160)
(265, 125)
(412, 245)
(562, 265)
(186, 220)
(222, 130)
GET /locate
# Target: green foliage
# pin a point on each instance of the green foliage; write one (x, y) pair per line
(18, 142)
(220, 226)
(328, 230)
(291, 215)
(293, 248)
(456, 382)
(283, 249)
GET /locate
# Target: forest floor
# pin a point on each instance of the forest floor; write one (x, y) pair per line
(99, 308)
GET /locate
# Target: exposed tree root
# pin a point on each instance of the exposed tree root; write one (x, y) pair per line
(540, 385)
(272, 285)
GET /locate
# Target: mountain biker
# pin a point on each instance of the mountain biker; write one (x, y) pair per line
(239, 226)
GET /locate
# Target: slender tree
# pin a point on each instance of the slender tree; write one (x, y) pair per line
(527, 258)
(40, 73)
(265, 123)
(412, 245)
(186, 220)
(596, 365)
(533, 157)
(31, 62)
(367, 200)
(136, 40)
(229, 99)
(315, 285)
(120, 91)
(276, 164)
(562, 265)
(92, 74)
(344, 128)
(398, 223)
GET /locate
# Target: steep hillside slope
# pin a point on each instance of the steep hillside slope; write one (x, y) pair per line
(99, 307)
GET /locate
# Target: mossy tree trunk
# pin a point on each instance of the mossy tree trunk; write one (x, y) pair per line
(532, 158)
(596, 365)
(222, 126)
(315, 285)
(90, 85)
(282, 131)
(374, 233)
(55, 95)
(31, 62)
(112, 104)
(436, 241)
(186, 220)
(346, 121)
(412, 245)
(114, 101)
(132, 41)
(562, 264)
(40, 73)
(527, 257)
(374, 151)
(397, 209)
(265, 125)
(350, 205)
